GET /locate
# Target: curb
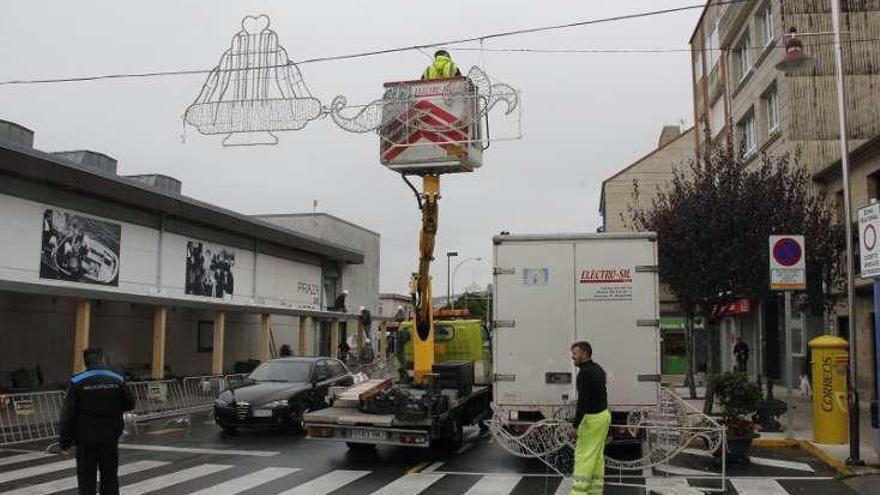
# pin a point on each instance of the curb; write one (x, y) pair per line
(810, 448)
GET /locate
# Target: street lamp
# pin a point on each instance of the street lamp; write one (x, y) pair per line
(796, 59)
(456, 270)
(449, 255)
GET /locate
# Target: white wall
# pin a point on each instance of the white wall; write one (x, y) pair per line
(279, 282)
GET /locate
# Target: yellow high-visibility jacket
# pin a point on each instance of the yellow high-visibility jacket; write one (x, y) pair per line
(442, 66)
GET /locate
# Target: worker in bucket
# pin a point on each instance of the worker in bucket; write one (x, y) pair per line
(591, 420)
(441, 67)
(91, 420)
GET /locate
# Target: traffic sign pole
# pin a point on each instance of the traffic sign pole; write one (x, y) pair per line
(788, 272)
(789, 416)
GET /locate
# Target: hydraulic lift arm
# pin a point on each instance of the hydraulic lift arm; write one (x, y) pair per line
(420, 284)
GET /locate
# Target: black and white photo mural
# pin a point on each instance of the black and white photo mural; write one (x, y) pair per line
(79, 249)
(209, 270)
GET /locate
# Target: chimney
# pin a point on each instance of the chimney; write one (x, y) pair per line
(10, 132)
(668, 133)
(91, 160)
(161, 182)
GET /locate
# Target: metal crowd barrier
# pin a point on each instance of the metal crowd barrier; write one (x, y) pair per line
(34, 416)
(200, 391)
(28, 417)
(155, 400)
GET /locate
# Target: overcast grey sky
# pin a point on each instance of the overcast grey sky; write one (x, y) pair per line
(584, 115)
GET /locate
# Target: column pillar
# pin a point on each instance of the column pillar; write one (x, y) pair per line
(82, 326)
(160, 318)
(380, 334)
(334, 338)
(305, 325)
(264, 352)
(360, 338)
(219, 338)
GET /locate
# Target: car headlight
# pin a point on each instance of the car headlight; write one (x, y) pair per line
(220, 403)
(276, 404)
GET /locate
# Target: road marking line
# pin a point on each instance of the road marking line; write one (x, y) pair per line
(409, 484)
(762, 461)
(70, 482)
(247, 481)
(36, 470)
(494, 484)
(432, 467)
(681, 471)
(670, 486)
(14, 459)
(564, 487)
(417, 468)
(187, 450)
(327, 483)
(160, 482)
(758, 487)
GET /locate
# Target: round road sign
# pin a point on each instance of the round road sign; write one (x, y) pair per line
(787, 252)
(870, 237)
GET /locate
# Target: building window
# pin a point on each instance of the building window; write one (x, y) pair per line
(771, 99)
(717, 117)
(713, 48)
(874, 186)
(743, 57)
(746, 132)
(698, 63)
(767, 28)
(205, 337)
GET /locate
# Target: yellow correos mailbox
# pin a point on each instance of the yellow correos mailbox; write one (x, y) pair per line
(830, 410)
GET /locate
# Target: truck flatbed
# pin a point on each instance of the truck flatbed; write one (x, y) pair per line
(348, 424)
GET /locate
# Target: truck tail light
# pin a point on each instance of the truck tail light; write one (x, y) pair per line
(413, 438)
(320, 432)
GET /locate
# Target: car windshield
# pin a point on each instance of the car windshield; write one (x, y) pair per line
(281, 371)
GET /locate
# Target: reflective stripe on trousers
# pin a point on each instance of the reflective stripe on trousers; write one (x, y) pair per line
(589, 454)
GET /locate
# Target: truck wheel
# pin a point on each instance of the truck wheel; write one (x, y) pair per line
(454, 434)
(360, 447)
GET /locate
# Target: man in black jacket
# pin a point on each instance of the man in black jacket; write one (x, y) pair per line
(91, 419)
(591, 420)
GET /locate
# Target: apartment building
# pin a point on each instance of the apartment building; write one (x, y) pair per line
(739, 93)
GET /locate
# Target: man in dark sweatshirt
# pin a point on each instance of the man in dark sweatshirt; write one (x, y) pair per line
(91, 420)
(591, 420)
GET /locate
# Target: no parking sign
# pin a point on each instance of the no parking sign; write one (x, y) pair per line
(788, 268)
(869, 250)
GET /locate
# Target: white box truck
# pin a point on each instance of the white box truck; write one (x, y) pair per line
(553, 290)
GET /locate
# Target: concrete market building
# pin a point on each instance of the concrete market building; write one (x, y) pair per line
(166, 284)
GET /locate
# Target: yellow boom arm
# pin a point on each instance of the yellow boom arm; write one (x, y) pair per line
(420, 284)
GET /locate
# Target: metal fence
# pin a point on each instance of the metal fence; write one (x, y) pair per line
(34, 416)
(200, 391)
(28, 417)
(155, 400)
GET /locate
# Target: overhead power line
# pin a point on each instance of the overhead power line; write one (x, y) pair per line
(588, 22)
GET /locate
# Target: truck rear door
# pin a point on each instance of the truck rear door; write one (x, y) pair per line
(534, 322)
(617, 312)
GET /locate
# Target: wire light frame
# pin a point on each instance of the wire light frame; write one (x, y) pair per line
(667, 430)
(397, 103)
(254, 91)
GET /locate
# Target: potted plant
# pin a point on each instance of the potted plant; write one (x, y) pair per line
(738, 399)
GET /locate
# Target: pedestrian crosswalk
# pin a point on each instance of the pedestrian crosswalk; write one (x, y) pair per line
(41, 474)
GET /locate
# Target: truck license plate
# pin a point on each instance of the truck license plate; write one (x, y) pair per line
(361, 434)
(262, 413)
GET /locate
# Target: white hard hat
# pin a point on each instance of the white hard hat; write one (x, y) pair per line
(400, 307)
(362, 308)
(345, 292)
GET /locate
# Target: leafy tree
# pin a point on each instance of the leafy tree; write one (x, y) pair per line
(713, 224)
